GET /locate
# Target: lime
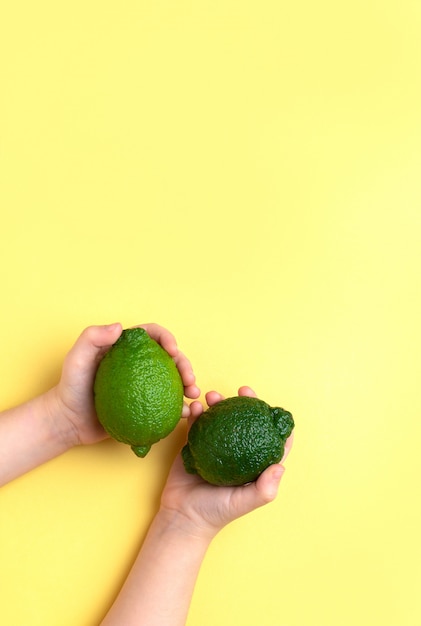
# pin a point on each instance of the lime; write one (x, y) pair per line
(138, 391)
(236, 439)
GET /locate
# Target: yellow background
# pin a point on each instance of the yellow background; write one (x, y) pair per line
(246, 174)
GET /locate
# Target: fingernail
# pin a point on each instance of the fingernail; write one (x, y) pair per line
(278, 472)
(275, 477)
(111, 327)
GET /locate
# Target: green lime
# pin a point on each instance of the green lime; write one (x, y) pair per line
(138, 391)
(235, 440)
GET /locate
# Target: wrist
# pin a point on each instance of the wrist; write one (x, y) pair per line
(60, 429)
(183, 527)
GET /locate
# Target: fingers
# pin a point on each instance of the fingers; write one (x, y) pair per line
(247, 391)
(162, 336)
(167, 341)
(192, 412)
(213, 397)
(195, 409)
(191, 390)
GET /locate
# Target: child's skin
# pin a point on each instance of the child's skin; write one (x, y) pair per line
(158, 590)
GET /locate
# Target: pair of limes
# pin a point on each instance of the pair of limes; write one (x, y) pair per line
(139, 399)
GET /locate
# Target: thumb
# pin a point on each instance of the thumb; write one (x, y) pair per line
(261, 492)
(91, 346)
(267, 484)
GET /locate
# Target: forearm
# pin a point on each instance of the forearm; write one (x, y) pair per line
(160, 585)
(29, 436)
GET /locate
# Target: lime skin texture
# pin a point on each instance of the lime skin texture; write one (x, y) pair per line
(138, 391)
(235, 440)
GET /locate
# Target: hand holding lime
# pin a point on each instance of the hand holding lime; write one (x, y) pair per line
(235, 440)
(138, 391)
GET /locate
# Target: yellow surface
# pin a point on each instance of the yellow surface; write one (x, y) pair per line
(248, 175)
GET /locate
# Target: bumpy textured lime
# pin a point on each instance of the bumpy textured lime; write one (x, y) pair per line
(138, 391)
(235, 440)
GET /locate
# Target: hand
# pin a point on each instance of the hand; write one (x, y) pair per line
(72, 400)
(204, 508)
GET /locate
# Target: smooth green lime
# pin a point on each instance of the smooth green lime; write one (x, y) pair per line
(235, 440)
(138, 391)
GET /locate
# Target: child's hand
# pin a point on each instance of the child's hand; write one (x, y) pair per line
(72, 401)
(204, 508)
